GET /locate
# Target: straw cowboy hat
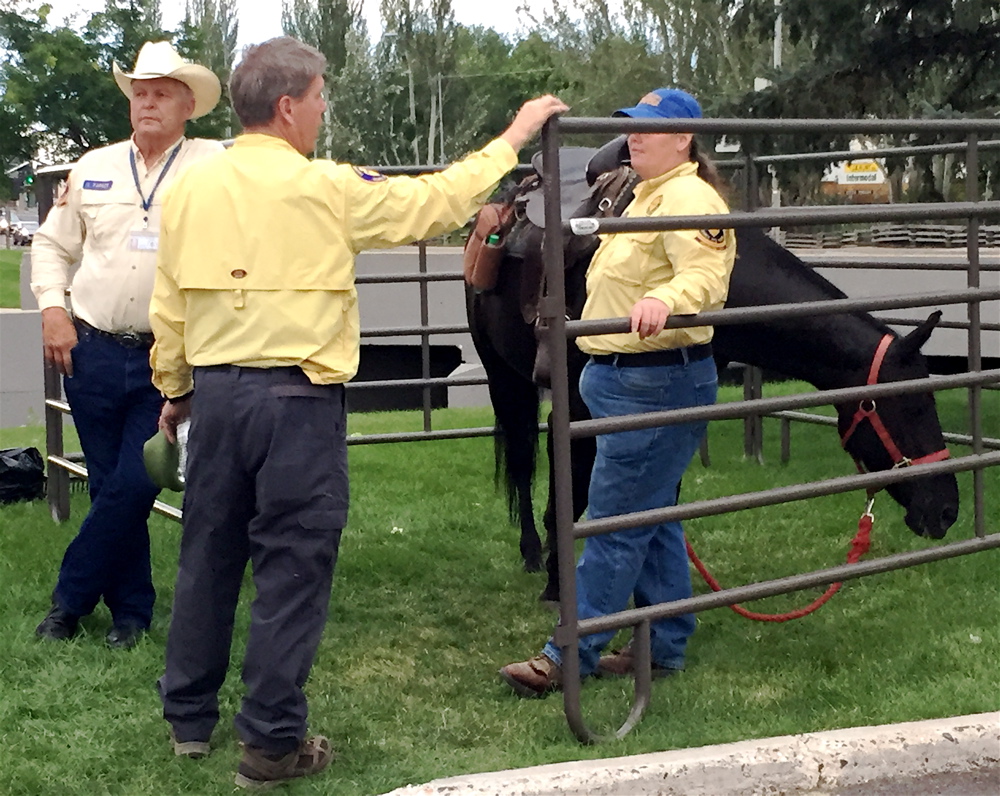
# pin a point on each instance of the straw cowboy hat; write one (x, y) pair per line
(160, 59)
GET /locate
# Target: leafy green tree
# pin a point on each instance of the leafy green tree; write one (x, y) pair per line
(207, 36)
(59, 81)
(883, 58)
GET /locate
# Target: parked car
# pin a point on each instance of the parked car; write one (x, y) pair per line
(24, 232)
(8, 220)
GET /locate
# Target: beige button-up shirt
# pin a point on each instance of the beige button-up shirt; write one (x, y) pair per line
(94, 223)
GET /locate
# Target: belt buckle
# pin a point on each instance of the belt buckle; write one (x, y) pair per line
(130, 339)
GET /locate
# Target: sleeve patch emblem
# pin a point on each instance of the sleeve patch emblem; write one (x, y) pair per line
(712, 238)
(368, 175)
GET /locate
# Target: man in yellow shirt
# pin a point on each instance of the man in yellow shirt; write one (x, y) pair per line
(107, 219)
(255, 337)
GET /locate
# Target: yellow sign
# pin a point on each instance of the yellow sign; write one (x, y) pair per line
(861, 166)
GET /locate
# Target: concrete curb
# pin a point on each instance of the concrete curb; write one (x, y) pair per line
(787, 764)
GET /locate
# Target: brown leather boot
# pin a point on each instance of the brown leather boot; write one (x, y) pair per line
(620, 663)
(533, 678)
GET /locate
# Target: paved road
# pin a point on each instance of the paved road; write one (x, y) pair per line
(982, 782)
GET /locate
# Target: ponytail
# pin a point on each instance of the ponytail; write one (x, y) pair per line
(706, 169)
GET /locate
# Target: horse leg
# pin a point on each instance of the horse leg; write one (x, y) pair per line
(582, 453)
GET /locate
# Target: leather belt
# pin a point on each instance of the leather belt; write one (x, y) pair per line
(651, 359)
(127, 339)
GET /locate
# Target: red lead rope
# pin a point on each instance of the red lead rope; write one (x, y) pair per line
(862, 541)
(859, 546)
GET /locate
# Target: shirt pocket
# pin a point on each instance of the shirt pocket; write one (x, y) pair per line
(107, 215)
(630, 258)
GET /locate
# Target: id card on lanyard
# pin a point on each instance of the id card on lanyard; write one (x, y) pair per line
(146, 239)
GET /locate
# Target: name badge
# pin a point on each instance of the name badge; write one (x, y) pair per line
(143, 240)
(97, 185)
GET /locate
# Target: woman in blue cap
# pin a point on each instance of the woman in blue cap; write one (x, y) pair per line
(645, 276)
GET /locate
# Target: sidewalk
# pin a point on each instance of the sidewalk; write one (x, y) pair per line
(791, 765)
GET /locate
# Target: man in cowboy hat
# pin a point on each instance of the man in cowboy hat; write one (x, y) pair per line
(107, 219)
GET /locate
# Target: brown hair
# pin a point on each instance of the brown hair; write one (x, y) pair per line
(276, 68)
(706, 169)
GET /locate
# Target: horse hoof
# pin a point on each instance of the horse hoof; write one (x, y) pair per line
(532, 566)
(550, 598)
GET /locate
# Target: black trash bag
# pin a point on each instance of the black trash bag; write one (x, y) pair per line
(22, 475)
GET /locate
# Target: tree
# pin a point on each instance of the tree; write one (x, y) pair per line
(883, 58)
(208, 36)
(59, 81)
(337, 29)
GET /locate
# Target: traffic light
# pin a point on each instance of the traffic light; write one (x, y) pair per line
(29, 180)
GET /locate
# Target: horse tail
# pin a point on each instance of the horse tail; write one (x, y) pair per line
(515, 443)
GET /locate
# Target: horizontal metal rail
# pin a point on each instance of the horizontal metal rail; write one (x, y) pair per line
(882, 265)
(384, 279)
(764, 406)
(80, 471)
(618, 125)
(434, 381)
(420, 436)
(881, 152)
(403, 331)
(828, 420)
(785, 217)
(985, 327)
(771, 588)
(785, 494)
(738, 315)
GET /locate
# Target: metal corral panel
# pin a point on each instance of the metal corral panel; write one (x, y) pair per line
(396, 305)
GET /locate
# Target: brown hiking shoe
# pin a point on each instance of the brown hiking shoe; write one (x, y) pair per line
(259, 770)
(620, 664)
(533, 678)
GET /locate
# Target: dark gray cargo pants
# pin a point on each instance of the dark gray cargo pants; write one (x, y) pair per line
(266, 482)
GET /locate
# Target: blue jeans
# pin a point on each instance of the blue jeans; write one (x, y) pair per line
(115, 410)
(635, 471)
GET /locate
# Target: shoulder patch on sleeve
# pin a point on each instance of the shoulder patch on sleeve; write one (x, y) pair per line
(368, 175)
(712, 238)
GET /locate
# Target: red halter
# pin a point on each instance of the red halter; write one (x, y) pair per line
(868, 413)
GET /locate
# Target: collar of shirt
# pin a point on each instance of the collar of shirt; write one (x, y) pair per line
(266, 141)
(648, 187)
(148, 167)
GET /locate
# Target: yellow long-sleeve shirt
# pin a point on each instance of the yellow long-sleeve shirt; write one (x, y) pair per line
(257, 248)
(688, 270)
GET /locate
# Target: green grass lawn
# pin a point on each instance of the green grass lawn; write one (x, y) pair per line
(10, 276)
(430, 600)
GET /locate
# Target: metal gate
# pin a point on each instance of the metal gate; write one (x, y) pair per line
(552, 312)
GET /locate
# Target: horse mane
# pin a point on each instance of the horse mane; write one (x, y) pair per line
(797, 269)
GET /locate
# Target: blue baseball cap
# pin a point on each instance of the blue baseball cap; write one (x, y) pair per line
(664, 103)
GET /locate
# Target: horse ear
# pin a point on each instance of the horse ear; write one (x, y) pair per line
(914, 341)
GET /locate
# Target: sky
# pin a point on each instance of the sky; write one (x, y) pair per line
(261, 19)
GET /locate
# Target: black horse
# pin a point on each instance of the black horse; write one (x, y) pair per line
(828, 351)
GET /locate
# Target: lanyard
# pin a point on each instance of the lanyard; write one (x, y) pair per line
(148, 203)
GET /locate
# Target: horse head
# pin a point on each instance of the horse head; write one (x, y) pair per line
(902, 430)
